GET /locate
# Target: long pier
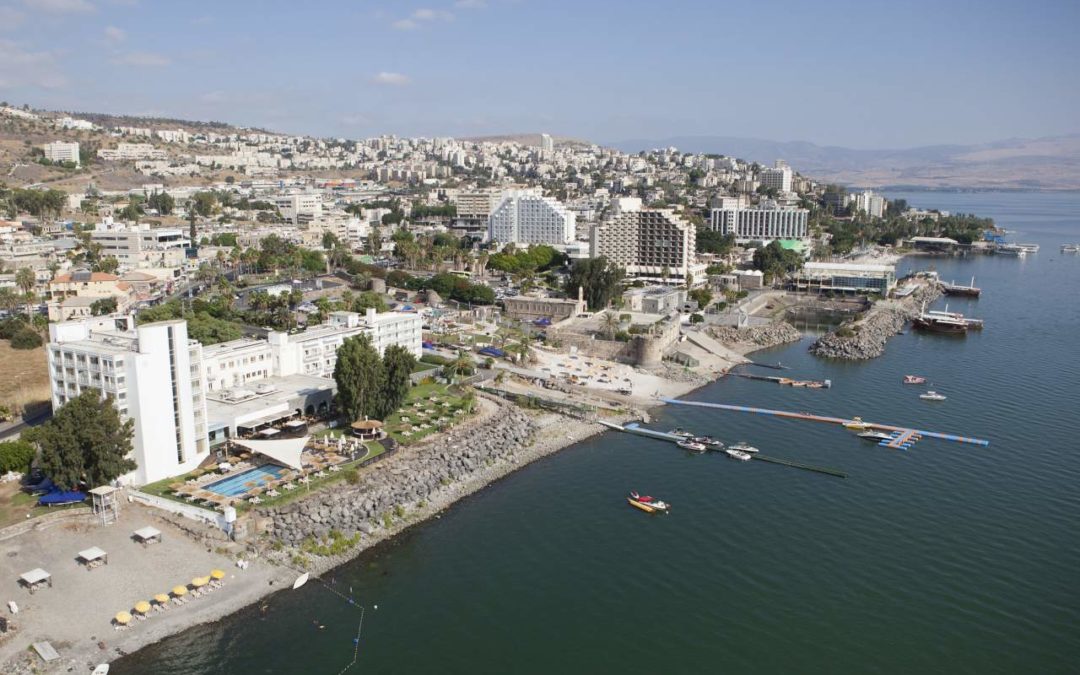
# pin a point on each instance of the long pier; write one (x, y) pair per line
(908, 434)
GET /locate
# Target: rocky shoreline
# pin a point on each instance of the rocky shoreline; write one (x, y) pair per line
(866, 338)
(416, 484)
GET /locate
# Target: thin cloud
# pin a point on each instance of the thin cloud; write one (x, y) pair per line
(141, 60)
(22, 67)
(470, 4)
(10, 18)
(391, 79)
(114, 35)
(420, 16)
(60, 6)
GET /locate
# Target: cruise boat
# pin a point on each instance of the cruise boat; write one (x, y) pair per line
(1011, 249)
(971, 290)
(740, 455)
(914, 379)
(876, 436)
(691, 445)
(648, 504)
(932, 396)
(952, 323)
(1028, 248)
(856, 424)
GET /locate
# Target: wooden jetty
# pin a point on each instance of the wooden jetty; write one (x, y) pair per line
(907, 434)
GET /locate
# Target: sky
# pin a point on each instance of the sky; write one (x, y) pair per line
(857, 74)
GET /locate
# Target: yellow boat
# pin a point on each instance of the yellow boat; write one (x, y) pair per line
(648, 504)
(856, 424)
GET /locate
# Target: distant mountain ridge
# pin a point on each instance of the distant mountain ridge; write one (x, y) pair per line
(1051, 163)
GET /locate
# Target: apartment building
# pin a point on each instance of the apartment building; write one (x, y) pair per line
(652, 244)
(59, 151)
(526, 217)
(779, 177)
(760, 223)
(72, 295)
(131, 151)
(300, 209)
(152, 372)
(140, 245)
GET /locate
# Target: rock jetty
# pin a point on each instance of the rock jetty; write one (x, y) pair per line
(760, 337)
(865, 338)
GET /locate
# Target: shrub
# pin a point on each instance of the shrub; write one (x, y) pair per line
(9, 327)
(15, 456)
(26, 338)
(352, 476)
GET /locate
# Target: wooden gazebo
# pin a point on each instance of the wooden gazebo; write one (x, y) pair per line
(367, 430)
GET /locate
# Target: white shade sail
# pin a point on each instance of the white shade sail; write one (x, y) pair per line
(285, 451)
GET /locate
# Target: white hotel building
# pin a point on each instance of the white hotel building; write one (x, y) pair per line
(760, 223)
(526, 217)
(59, 151)
(184, 398)
(152, 373)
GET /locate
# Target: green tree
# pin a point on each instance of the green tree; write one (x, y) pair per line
(85, 441)
(367, 299)
(103, 306)
(359, 375)
(775, 260)
(26, 281)
(610, 323)
(108, 264)
(26, 338)
(16, 456)
(398, 364)
(598, 278)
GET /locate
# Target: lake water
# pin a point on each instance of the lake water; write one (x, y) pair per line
(946, 558)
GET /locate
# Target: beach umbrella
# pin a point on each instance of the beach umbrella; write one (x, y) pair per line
(179, 590)
(161, 598)
(123, 618)
(217, 574)
(142, 607)
(198, 582)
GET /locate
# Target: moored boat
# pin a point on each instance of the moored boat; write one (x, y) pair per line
(693, 446)
(744, 447)
(876, 436)
(1070, 248)
(648, 504)
(932, 396)
(971, 290)
(681, 433)
(740, 455)
(914, 379)
(856, 424)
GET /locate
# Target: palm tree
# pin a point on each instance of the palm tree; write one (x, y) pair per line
(9, 300)
(610, 324)
(26, 281)
(462, 365)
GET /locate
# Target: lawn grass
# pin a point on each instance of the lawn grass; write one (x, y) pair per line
(422, 392)
(17, 506)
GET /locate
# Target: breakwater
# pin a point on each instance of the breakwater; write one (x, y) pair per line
(760, 337)
(866, 337)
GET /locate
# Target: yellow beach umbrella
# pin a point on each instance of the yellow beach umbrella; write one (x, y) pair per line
(161, 598)
(179, 590)
(198, 582)
(142, 607)
(217, 574)
(123, 618)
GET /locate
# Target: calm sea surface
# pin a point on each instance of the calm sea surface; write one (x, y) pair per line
(946, 558)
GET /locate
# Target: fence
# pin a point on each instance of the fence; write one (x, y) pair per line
(189, 511)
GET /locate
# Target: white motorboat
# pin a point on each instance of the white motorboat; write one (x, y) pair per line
(692, 446)
(743, 447)
(876, 436)
(932, 396)
(739, 455)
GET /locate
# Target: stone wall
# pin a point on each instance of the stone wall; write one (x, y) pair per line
(866, 338)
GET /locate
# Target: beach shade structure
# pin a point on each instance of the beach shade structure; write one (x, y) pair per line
(199, 582)
(368, 430)
(179, 591)
(123, 618)
(217, 574)
(285, 451)
(142, 607)
(161, 598)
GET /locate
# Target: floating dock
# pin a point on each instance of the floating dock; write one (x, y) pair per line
(907, 436)
(806, 384)
(636, 429)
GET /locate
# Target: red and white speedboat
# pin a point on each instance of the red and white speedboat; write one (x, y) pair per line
(648, 504)
(914, 379)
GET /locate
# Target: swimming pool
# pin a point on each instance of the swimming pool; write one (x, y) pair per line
(238, 484)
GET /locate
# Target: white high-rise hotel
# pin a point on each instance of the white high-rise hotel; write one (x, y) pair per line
(161, 380)
(652, 244)
(759, 223)
(526, 217)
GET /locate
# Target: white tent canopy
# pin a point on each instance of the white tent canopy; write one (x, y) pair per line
(286, 451)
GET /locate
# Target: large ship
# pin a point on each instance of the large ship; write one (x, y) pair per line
(971, 290)
(952, 323)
